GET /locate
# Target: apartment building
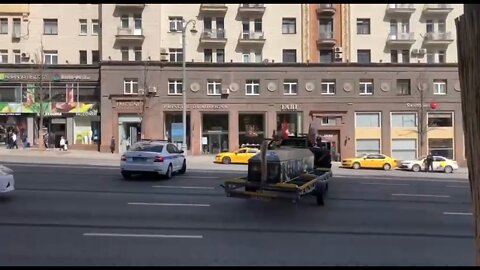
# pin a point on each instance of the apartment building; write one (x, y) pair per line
(403, 33)
(240, 33)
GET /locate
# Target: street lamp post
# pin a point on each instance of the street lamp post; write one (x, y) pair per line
(184, 81)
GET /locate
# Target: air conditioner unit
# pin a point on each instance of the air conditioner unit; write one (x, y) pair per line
(226, 91)
(163, 51)
(141, 91)
(163, 57)
(338, 56)
(152, 89)
(422, 51)
(415, 51)
(25, 55)
(338, 49)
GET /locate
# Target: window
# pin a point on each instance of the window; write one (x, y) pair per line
(246, 57)
(403, 87)
(130, 86)
(289, 56)
(207, 55)
(83, 27)
(441, 147)
(257, 25)
(404, 149)
(17, 58)
(367, 146)
(439, 87)
(11, 92)
(429, 25)
(440, 120)
(214, 87)
(326, 56)
(124, 21)
(393, 28)
(329, 121)
(366, 87)
(137, 24)
(207, 24)
(289, 26)
(176, 24)
(50, 26)
(363, 56)
(363, 26)
(442, 26)
(95, 57)
(405, 56)
(50, 57)
(3, 26)
(83, 57)
(393, 56)
(4, 56)
(138, 53)
(328, 87)
(258, 57)
(17, 30)
(367, 120)
(404, 120)
(175, 87)
(176, 55)
(441, 56)
(325, 28)
(220, 56)
(125, 54)
(252, 87)
(290, 87)
(95, 27)
(430, 57)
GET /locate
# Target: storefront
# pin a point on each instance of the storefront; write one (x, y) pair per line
(251, 127)
(214, 132)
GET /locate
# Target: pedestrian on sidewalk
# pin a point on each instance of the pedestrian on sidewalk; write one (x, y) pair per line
(14, 140)
(112, 145)
(9, 140)
(429, 162)
(63, 144)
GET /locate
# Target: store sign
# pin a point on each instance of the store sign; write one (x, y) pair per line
(73, 77)
(129, 104)
(196, 107)
(417, 105)
(13, 76)
(289, 107)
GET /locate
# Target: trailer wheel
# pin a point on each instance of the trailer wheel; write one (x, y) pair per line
(320, 195)
(252, 189)
(326, 187)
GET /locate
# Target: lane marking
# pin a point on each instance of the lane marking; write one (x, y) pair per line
(458, 186)
(458, 213)
(398, 178)
(183, 187)
(384, 184)
(171, 204)
(145, 235)
(201, 177)
(422, 195)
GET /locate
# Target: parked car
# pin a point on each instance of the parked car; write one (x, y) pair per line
(370, 161)
(7, 182)
(242, 156)
(153, 156)
(440, 164)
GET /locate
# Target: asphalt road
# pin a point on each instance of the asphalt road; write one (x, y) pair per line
(68, 215)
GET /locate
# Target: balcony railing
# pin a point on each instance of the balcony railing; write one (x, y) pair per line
(400, 8)
(213, 7)
(437, 8)
(326, 9)
(401, 38)
(326, 38)
(439, 38)
(252, 37)
(213, 36)
(251, 8)
(129, 34)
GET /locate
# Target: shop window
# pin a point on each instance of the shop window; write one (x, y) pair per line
(404, 120)
(367, 146)
(215, 133)
(89, 93)
(440, 120)
(441, 147)
(10, 92)
(404, 149)
(289, 123)
(174, 128)
(251, 129)
(367, 120)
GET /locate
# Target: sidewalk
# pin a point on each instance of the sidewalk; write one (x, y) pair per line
(204, 162)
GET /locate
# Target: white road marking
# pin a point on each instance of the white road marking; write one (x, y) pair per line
(457, 213)
(183, 187)
(103, 167)
(422, 195)
(403, 178)
(201, 177)
(458, 186)
(171, 204)
(384, 184)
(144, 235)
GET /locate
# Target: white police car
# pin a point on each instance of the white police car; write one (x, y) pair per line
(7, 181)
(153, 156)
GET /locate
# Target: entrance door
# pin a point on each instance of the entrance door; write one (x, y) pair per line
(128, 131)
(133, 134)
(332, 137)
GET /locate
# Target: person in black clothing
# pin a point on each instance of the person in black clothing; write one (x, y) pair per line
(429, 162)
(322, 156)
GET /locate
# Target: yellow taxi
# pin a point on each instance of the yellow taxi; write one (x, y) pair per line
(370, 161)
(241, 156)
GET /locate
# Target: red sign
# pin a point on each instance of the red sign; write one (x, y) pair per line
(433, 105)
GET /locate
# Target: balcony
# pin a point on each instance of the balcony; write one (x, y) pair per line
(400, 8)
(437, 9)
(213, 36)
(401, 38)
(251, 38)
(128, 34)
(326, 9)
(438, 38)
(213, 8)
(251, 9)
(130, 6)
(326, 39)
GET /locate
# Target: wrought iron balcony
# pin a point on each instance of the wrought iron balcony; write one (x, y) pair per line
(251, 38)
(438, 38)
(213, 36)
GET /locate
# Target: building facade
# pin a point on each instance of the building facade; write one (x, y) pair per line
(363, 108)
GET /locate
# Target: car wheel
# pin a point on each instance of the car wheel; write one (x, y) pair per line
(184, 167)
(127, 175)
(168, 175)
(448, 169)
(356, 165)
(416, 168)
(226, 160)
(387, 167)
